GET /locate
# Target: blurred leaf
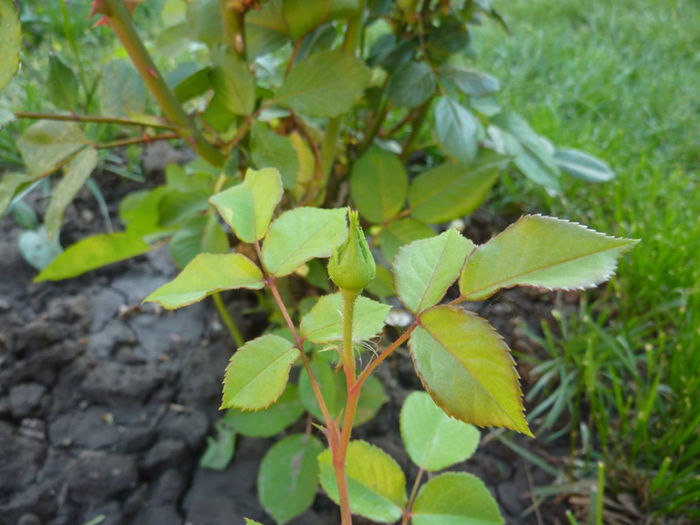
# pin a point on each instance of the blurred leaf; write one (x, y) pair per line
(176, 206)
(288, 477)
(271, 421)
(456, 498)
(372, 397)
(332, 385)
(25, 216)
(138, 211)
(411, 85)
(220, 449)
(302, 234)
(378, 185)
(217, 116)
(234, 83)
(541, 251)
(258, 372)
(198, 235)
(265, 29)
(38, 249)
(470, 82)
(63, 85)
(326, 84)
(193, 85)
(204, 19)
(425, 269)
(383, 283)
(10, 41)
(456, 129)
(376, 484)
(75, 173)
(583, 166)
(122, 91)
(270, 149)
(205, 274)
(93, 252)
(303, 16)
(433, 439)
(467, 369)
(447, 39)
(11, 184)
(401, 232)
(47, 145)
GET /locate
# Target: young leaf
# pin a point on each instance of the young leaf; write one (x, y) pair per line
(434, 440)
(302, 234)
(200, 234)
(326, 84)
(75, 173)
(63, 84)
(467, 369)
(122, 91)
(234, 84)
(288, 477)
(378, 185)
(454, 190)
(248, 206)
(541, 251)
(258, 372)
(372, 397)
(220, 449)
(48, 145)
(425, 269)
(401, 232)
(583, 166)
(456, 498)
(271, 421)
(93, 252)
(324, 323)
(333, 388)
(470, 82)
(411, 85)
(376, 484)
(10, 41)
(270, 149)
(457, 129)
(205, 274)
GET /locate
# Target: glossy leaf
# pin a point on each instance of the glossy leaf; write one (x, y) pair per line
(326, 84)
(456, 498)
(91, 253)
(324, 323)
(270, 149)
(302, 16)
(234, 84)
(75, 173)
(10, 41)
(411, 85)
(332, 385)
(372, 397)
(248, 207)
(583, 166)
(206, 274)
(200, 234)
(471, 82)
(47, 145)
(288, 477)
(453, 190)
(63, 86)
(302, 234)
(271, 421)
(376, 484)
(433, 439)
(122, 91)
(401, 232)
(258, 372)
(457, 129)
(541, 251)
(467, 369)
(378, 185)
(425, 269)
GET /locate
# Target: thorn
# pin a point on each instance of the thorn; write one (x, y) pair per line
(104, 21)
(152, 72)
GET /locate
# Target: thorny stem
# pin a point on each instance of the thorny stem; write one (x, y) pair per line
(93, 118)
(123, 26)
(228, 320)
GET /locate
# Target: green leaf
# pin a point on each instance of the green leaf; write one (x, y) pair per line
(258, 372)
(37, 248)
(470, 82)
(467, 369)
(75, 173)
(10, 41)
(450, 37)
(201, 234)
(248, 521)
(93, 252)
(372, 397)
(456, 498)
(302, 234)
(206, 274)
(411, 85)
(204, 19)
(326, 84)
(270, 149)
(425, 269)
(271, 421)
(378, 185)
(193, 85)
(401, 232)
(139, 211)
(324, 323)
(11, 184)
(288, 477)
(47, 145)
(541, 251)
(454, 190)
(303, 16)
(265, 29)
(457, 129)
(583, 166)
(63, 86)
(234, 84)
(383, 283)
(333, 388)
(433, 439)
(376, 484)
(248, 207)
(220, 449)
(122, 91)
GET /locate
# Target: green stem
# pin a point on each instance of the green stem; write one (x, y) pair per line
(123, 26)
(228, 320)
(412, 497)
(93, 118)
(349, 298)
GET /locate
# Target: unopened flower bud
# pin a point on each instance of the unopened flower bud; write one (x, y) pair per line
(351, 266)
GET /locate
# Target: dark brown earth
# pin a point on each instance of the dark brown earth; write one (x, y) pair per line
(105, 404)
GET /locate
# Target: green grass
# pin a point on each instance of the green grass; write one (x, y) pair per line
(620, 80)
